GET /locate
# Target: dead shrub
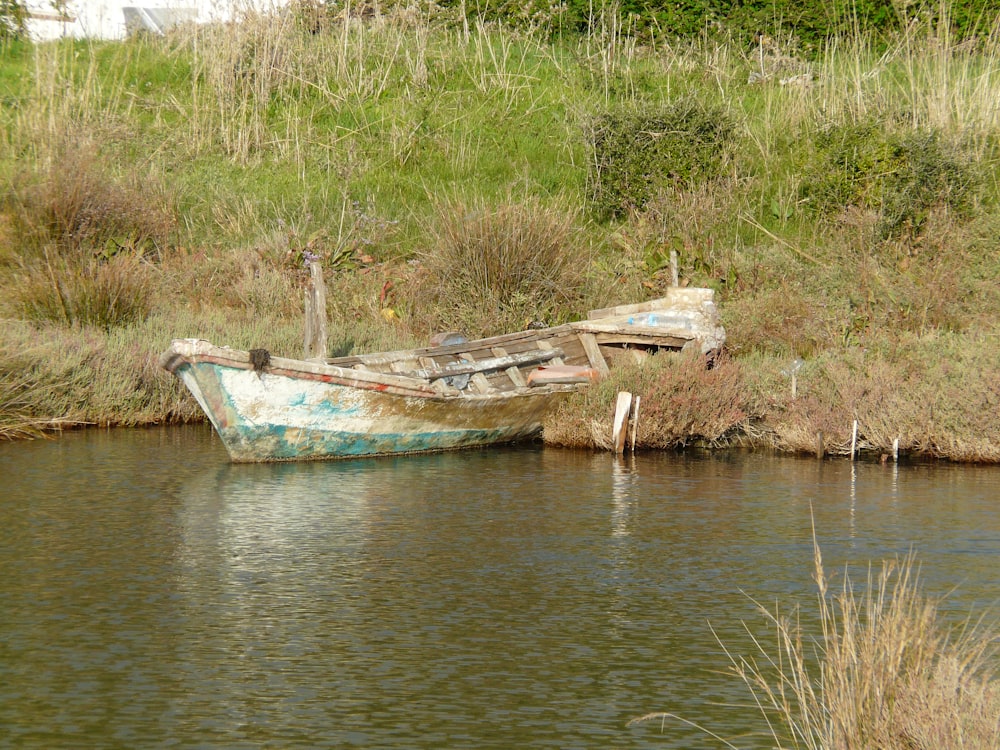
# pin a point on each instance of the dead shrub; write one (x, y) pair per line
(683, 402)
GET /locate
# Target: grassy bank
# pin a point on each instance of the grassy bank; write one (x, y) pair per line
(462, 175)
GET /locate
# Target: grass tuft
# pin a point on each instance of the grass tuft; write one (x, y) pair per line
(84, 292)
(881, 669)
(501, 267)
(886, 672)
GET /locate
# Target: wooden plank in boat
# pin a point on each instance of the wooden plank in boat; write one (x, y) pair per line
(512, 372)
(593, 351)
(469, 365)
(384, 358)
(546, 346)
(676, 298)
(478, 379)
(648, 339)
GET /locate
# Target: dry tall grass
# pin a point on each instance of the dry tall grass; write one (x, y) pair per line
(891, 674)
(501, 267)
(884, 670)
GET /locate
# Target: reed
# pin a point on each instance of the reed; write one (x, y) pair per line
(881, 668)
(887, 670)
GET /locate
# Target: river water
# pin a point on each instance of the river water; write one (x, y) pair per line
(153, 595)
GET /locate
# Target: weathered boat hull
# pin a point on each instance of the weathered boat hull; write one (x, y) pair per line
(454, 394)
(269, 416)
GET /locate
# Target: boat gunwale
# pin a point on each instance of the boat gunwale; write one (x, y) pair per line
(203, 351)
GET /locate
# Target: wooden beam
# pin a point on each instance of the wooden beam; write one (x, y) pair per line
(593, 351)
(512, 372)
(546, 346)
(471, 366)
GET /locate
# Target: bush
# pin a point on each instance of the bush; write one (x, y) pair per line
(78, 205)
(91, 292)
(493, 269)
(640, 153)
(901, 175)
(683, 402)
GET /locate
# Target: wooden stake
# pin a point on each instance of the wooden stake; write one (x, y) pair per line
(623, 406)
(674, 273)
(635, 420)
(854, 438)
(895, 450)
(820, 447)
(315, 334)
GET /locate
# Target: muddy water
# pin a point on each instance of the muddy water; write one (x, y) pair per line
(153, 595)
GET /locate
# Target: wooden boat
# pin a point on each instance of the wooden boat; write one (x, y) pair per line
(453, 395)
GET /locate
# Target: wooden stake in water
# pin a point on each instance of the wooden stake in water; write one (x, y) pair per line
(895, 450)
(315, 334)
(623, 407)
(854, 438)
(635, 420)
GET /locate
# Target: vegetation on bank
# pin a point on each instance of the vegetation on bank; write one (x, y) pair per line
(876, 665)
(456, 173)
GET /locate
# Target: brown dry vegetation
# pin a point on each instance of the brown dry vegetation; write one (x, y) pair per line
(881, 668)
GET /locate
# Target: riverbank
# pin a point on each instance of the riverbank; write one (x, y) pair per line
(843, 205)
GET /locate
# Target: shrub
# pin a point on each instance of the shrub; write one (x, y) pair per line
(88, 292)
(78, 205)
(495, 268)
(901, 175)
(639, 153)
(683, 402)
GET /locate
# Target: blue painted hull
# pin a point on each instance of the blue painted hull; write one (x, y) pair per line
(263, 416)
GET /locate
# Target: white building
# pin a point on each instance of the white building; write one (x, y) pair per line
(113, 19)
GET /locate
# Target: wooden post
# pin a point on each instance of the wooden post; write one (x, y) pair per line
(635, 420)
(315, 334)
(623, 407)
(854, 438)
(674, 273)
(820, 447)
(895, 450)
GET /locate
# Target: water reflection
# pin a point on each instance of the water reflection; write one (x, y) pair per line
(496, 598)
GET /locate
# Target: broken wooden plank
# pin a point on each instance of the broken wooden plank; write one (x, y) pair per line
(472, 366)
(512, 372)
(593, 351)
(623, 407)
